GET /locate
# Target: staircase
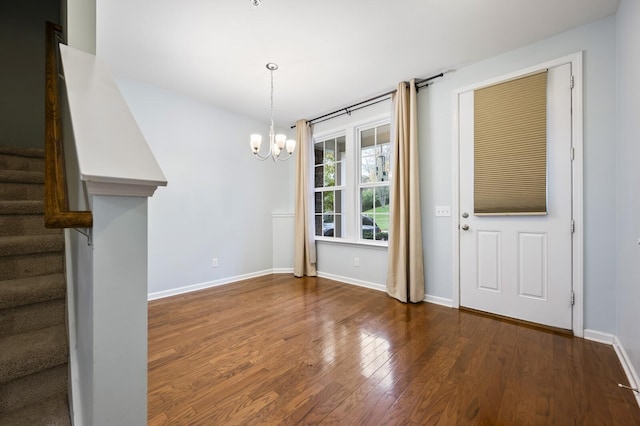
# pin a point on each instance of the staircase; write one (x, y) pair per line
(33, 334)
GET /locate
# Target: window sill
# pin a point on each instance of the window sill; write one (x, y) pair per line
(342, 241)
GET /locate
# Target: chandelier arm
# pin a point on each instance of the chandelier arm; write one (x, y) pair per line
(262, 157)
(285, 158)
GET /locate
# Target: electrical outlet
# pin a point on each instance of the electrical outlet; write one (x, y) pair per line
(356, 262)
(443, 210)
(214, 262)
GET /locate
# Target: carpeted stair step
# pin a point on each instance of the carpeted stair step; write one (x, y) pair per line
(23, 217)
(25, 291)
(21, 176)
(12, 267)
(23, 319)
(51, 412)
(27, 353)
(30, 244)
(24, 224)
(21, 207)
(33, 388)
(13, 189)
(28, 159)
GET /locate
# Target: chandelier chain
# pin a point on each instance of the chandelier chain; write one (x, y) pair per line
(271, 71)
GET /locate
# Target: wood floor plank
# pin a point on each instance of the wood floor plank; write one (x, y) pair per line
(283, 350)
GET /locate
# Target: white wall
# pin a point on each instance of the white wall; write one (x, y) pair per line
(219, 199)
(597, 40)
(628, 180)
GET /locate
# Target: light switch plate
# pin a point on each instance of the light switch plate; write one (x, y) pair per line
(443, 210)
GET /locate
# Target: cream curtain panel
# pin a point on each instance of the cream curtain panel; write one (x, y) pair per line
(405, 276)
(304, 259)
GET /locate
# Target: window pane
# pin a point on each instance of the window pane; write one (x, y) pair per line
(318, 224)
(366, 199)
(327, 203)
(381, 213)
(337, 231)
(368, 138)
(382, 167)
(330, 174)
(337, 201)
(330, 150)
(375, 154)
(340, 166)
(319, 176)
(318, 152)
(375, 213)
(328, 225)
(318, 202)
(384, 134)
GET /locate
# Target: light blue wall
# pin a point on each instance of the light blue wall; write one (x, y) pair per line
(628, 181)
(219, 199)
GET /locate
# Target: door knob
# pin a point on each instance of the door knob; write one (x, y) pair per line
(465, 227)
(465, 215)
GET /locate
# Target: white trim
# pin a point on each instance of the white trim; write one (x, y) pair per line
(282, 215)
(627, 366)
(282, 271)
(353, 281)
(455, 200)
(577, 181)
(73, 384)
(599, 336)
(578, 197)
(205, 285)
(436, 300)
(121, 189)
(625, 361)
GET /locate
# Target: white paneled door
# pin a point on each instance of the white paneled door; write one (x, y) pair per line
(520, 266)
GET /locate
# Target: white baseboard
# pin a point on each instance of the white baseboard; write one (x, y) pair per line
(352, 281)
(282, 271)
(205, 285)
(627, 366)
(598, 336)
(436, 300)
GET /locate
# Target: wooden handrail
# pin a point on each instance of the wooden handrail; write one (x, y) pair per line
(56, 199)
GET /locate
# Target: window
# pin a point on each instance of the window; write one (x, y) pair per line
(351, 183)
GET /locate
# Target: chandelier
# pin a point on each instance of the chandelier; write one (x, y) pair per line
(277, 143)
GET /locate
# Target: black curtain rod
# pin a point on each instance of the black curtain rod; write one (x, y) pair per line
(363, 104)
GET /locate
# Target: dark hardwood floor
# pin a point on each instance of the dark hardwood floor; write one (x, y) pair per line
(282, 350)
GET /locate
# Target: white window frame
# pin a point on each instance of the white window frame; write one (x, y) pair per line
(351, 187)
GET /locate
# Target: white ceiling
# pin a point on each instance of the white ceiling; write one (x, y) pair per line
(331, 53)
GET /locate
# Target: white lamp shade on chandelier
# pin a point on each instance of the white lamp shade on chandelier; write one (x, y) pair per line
(277, 143)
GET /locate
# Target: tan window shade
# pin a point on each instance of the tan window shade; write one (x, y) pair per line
(510, 147)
